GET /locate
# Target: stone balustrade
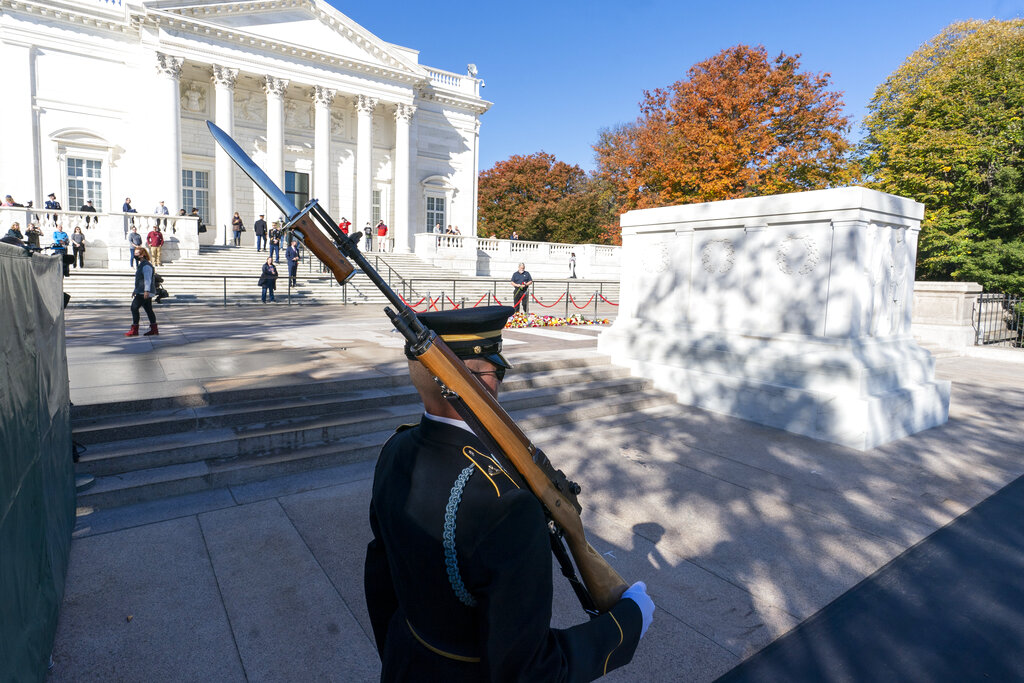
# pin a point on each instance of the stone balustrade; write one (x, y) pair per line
(496, 257)
(106, 234)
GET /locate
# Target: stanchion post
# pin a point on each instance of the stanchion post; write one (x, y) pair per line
(566, 300)
(225, 291)
(596, 298)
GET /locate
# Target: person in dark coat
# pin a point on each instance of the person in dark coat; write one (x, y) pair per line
(292, 255)
(259, 228)
(458, 576)
(89, 208)
(268, 279)
(142, 295)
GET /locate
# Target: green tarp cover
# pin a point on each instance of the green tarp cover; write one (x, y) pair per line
(37, 480)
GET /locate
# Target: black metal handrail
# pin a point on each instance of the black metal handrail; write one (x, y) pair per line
(570, 295)
(999, 320)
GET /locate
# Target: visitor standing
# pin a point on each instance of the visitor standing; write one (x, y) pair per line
(155, 242)
(268, 279)
(382, 236)
(60, 247)
(237, 228)
(344, 225)
(259, 228)
(78, 247)
(134, 240)
(572, 265)
(368, 237)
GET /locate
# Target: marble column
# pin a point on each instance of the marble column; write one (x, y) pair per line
(403, 229)
(322, 100)
(21, 168)
(274, 88)
(166, 167)
(224, 170)
(364, 161)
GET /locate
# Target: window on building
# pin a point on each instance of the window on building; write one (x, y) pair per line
(195, 191)
(375, 207)
(435, 213)
(85, 181)
(296, 186)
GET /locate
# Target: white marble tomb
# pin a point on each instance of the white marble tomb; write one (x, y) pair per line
(791, 311)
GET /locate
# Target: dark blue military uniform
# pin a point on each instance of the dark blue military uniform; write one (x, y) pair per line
(458, 575)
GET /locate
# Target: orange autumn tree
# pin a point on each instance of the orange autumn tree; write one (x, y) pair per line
(739, 125)
(542, 199)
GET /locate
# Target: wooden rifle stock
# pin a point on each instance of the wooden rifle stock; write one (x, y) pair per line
(602, 582)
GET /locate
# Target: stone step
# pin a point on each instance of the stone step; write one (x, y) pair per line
(284, 435)
(385, 375)
(260, 410)
(188, 477)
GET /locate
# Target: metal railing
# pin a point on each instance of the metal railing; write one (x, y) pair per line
(999, 320)
(589, 298)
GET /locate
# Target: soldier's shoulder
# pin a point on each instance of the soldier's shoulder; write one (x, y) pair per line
(495, 478)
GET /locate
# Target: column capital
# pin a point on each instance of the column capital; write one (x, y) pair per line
(224, 77)
(365, 104)
(168, 65)
(323, 96)
(274, 86)
(404, 112)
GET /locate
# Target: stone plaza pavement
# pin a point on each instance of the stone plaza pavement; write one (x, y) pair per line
(741, 532)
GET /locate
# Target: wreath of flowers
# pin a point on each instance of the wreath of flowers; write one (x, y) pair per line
(534, 320)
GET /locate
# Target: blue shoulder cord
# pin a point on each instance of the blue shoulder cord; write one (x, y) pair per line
(450, 560)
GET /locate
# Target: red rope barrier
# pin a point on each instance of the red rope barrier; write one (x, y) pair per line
(606, 300)
(433, 304)
(454, 305)
(545, 305)
(412, 306)
(584, 305)
(479, 300)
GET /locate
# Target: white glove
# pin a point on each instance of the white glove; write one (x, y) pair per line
(638, 594)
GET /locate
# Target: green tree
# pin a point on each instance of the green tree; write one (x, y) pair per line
(945, 129)
(738, 125)
(542, 199)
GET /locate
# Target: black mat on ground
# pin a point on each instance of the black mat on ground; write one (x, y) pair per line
(950, 608)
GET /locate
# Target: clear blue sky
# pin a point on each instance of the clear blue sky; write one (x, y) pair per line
(560, 71)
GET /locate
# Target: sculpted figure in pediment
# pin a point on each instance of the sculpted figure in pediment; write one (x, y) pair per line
(193, 98)
(338, 123)
(249, 106)
(297, 115)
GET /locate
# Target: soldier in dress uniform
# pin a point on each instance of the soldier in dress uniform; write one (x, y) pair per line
(458, 576)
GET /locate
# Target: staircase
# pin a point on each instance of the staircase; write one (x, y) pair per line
(164, 447)
(228, 275)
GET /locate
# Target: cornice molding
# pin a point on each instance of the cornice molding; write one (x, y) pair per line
(94, 15)
(190, 20)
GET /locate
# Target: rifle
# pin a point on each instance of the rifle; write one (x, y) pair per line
(602, 586)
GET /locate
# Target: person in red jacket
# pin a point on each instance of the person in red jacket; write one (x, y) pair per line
(155, 241)
(382, 236)
(344, 225)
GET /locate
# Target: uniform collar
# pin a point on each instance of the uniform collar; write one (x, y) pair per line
(448, 421)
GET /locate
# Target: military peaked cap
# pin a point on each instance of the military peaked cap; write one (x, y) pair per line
(470, 332)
